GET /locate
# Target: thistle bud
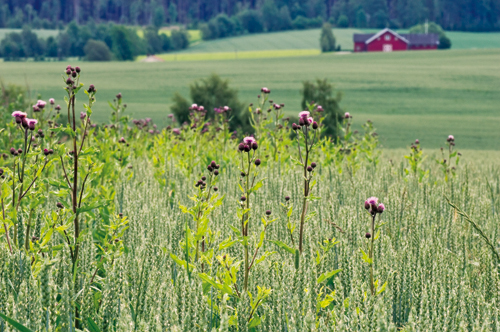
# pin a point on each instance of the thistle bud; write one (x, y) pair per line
(216, 189)
(368, 235)
(203, 178)
(268, 212)
(367, 205)
(1, 171)
(241, 147)
(216, 172)
(315, 125)
(313, 165)
(309, 169)
(213, 164)
(46, 152)
(287, 198)
(77, 69)
(247, 148)
(243, 198)
(73, 74)
(59, 205)
(257, 162)
(255, 146)
(243, 174)
(381, 208)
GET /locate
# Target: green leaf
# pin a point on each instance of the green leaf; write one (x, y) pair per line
(254, 322)
(93, 326)
(365, 257)
(227, 243)
(15, 324)
(327, 275)
(382, 288)
(284, 246)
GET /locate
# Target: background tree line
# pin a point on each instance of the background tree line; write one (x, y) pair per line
(269, 15)
(94, 42)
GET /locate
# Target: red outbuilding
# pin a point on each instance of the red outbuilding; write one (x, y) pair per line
(388, 41)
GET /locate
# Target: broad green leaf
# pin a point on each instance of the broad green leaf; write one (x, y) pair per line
(327, 275)
(15, 324)
(92, 325)
(365, 257)
(254, 322)
(283, 246)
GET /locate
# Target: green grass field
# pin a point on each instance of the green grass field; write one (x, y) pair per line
(309, 39)
(408, 95)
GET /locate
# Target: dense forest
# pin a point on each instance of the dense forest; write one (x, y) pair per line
(469, 15)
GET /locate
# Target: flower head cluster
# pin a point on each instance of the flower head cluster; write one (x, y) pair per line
(40, 105)
(72, 73)
(21, 118)
(222, 110)
(347, 116)
(372, 205)
(213, 167)
(249, 143)
(305, 120)
(265, 90)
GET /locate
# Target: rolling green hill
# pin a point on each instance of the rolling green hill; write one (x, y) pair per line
(309, 39)
(426, 94)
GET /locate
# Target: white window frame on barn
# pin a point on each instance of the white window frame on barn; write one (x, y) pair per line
(387, 37)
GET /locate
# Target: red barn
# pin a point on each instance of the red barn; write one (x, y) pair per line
(388, 41)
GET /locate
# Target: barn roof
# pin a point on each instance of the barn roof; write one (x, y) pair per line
(422, 38)
(410, 39)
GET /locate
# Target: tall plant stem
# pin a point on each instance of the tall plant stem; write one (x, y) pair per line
(245, 224)
(372, 284)
(75, 182)
(306, 193)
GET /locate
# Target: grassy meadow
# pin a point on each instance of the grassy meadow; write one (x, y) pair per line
(127, 226)
(408, 95)
(309, 39)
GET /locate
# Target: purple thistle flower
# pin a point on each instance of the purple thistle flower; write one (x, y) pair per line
(249, 140)
(380, 208)
(52, 101)
(32, 123)
(176, 131)
(319, 109)
(347, 115)
(41, 104)
(451, 138)
(304, 114)
(83, 115)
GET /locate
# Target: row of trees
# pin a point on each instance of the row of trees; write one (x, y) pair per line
(272, 15)
(269, 19)
(95, 42)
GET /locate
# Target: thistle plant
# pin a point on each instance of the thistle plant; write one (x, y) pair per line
(248, 186)
(269, 121)
(373, 208)
(349, 150)
(446, 164)
(20, 180)
(198, 244)
(307, 136)
(415, 159)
